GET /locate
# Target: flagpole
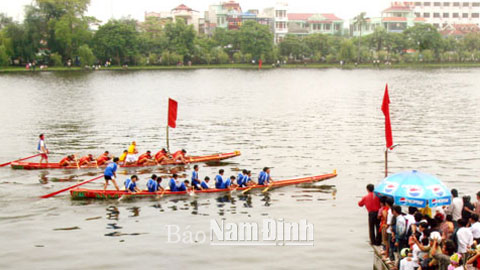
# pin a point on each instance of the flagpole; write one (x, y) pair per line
(168, 142)
(386, 162)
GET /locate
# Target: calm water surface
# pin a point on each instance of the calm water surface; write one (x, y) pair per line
(300, 122)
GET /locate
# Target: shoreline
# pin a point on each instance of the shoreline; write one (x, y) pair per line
(405, 66)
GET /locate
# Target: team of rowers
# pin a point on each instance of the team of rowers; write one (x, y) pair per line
(128, 157)
(154, 183)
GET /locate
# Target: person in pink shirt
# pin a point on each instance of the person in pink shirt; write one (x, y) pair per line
(372, 204)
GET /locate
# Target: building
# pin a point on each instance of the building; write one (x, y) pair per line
(309, 23)
(181, 12)
(459, 30)
(395, 19)
(278, 19)
(442, 14)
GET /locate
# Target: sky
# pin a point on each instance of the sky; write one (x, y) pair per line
(106, 9)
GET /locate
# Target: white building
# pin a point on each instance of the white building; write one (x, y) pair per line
(443, 13)
(181, 12)
(278, 13)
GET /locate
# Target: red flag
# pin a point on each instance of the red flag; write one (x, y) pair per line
(386, 112)
(172, 113)
(260, 62)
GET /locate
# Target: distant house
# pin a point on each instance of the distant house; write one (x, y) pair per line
(459, 30)
(310, 23)
(181, 12)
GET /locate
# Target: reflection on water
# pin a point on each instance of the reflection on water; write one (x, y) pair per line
(299, 122)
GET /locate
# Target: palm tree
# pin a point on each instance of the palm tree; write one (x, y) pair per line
(359, 21)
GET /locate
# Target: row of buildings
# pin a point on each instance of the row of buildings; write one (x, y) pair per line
(229, 15)
(451, 18)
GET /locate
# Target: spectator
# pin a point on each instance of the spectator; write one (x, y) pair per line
(456, 207)
(400, 228)
(442, 257)
(475, 228)
(447, 227)
(463, 237)
(372, 204)
(467, 208)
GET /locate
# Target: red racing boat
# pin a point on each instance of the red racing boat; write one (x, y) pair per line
(191, 159)
(82, 193)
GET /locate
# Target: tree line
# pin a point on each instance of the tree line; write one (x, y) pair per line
(56, 32)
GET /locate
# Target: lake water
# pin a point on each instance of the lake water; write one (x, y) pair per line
(300, 122)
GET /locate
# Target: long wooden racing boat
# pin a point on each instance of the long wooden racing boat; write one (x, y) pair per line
(82, 193)
(56, 165)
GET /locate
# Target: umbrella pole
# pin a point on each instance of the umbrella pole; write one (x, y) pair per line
(386, 162)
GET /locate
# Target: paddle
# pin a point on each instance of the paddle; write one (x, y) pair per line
(8, 163)
(68, 188)
(248, 189)
(267, 188)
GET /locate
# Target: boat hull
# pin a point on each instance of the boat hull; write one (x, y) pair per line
(193, 159)
(82, 193)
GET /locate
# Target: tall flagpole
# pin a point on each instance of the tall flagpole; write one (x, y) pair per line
(168, 142)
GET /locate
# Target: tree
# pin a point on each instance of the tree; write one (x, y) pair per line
(86, 55)
(292, 46)
(55, 59)
(4, 59)
(424, 37)
(117, 39)
(180, 38)
(347, 51)
(255, 39)
(360, 21)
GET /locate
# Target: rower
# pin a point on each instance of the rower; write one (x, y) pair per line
(161, 155)
(248, 179)
(230, 182)
(86, 160)
(264, 177)
(241, 178)
(103, 158)
(154, 183)
(146, 159)
(131, 184)
(110, 173)
(42, 149)
(67, 161)
(173, 182)
(132, 154)
(195, 179)
(183, 186)
(219, 179)
(180, 156)
(123, 156)
(204, 184)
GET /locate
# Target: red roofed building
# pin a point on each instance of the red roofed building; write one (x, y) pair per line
(459, 30)
(181, 12)
(310, 23)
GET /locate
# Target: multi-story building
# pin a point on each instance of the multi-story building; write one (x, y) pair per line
(181, 12)
(443, 13)
(395, 19)
(279, 20)
(309, 23)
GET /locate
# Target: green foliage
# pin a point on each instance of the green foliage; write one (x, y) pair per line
(347, 51)
(255, 39)
(116, 39)
(4, 59)
(428, 56)
(424, 37)
(86, 55)
(238, 57)
(171, 58)
(180, 38)
(153, 59)
(56, 60)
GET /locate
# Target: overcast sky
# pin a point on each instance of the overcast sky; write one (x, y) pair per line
(106, 9)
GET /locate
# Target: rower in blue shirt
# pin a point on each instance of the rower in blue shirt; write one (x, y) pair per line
(183, 186)
(264, 177)
(219, 179)
(154, 183)
(241, 178)
(247, 180)
(229, 182)
(195, 179)
(131, 185)
(204, 184)
(173, 182)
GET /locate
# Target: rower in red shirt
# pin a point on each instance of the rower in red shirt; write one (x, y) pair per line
(103, 158)
(161, 155)
(146, 159)
(372, 203)
(86, 160)
(180, 156)
(67, 161)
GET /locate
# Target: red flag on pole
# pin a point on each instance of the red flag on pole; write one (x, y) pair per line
(386, 112)
(260, 62)
(172, 113)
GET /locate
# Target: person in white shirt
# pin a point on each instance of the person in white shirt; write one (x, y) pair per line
(464, 237)
(455, 209)
(475, 227)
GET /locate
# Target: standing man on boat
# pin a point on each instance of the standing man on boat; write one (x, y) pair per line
(42, 149)
(195, 179)
(132, 154)
(110, 173)
(372, 204)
